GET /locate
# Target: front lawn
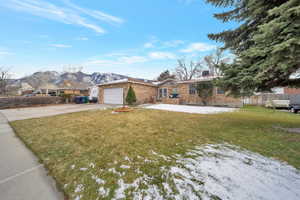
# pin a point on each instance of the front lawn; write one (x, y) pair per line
(88, 152)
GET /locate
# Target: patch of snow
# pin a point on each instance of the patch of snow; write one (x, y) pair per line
(126, 158)
(166, 158)
(114, 171)
(83, 169)
(115, 81)
(92, 165)
(228, 173)
(79, 188)
(72, 166)
(218, 172)
(103, 192)
(124, 166)
(191, 109)
(120, 192)
(98, 180)
(78, 197)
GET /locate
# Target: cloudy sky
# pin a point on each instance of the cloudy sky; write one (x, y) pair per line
(139, 38)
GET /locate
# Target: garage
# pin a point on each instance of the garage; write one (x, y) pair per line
(113, 95)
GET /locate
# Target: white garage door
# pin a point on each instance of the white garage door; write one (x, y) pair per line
(113, 96)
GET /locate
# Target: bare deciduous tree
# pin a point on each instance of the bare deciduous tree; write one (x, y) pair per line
(4, 76)
(187, 72)
(214, 60)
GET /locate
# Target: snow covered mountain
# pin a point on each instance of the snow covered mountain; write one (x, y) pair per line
(53, 79)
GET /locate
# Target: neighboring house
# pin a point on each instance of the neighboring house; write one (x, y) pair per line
(73, 91)
(58, 92)
(168, 91)
(285, 90)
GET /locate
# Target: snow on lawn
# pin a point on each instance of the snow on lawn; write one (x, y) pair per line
(191, 109)
(226, 172)
(209, 172)
(223, 172)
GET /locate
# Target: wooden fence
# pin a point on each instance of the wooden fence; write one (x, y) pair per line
(261, 99)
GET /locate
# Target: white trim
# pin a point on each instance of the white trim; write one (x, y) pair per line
(164, 88)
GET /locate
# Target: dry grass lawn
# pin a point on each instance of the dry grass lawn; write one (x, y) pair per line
(99, 144)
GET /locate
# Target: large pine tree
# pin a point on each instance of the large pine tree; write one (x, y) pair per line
(266, 44)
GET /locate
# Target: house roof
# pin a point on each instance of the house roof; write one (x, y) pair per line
(128, 80)
(156, 83)
(206, 78)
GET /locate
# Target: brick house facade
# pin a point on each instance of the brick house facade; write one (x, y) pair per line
(169, 92)
(187, 94)
(145, 92)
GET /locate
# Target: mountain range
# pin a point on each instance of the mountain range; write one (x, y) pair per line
(53, 79)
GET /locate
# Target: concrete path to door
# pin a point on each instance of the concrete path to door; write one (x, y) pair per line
(22, 177)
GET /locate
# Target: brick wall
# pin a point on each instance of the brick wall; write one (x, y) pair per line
(291, 90)
(15, 102)
(144, 93)
(187, 98)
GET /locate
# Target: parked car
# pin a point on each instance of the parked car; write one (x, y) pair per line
(278, 104)
(294, 108)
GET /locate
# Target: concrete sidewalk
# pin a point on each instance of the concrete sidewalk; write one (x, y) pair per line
(22, 177)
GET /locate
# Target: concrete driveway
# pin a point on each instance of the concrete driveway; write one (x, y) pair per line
(22, 177)
(44, 111)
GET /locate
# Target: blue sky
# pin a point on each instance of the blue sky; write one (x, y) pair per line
(139, 38)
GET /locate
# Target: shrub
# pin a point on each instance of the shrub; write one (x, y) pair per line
(130, 98)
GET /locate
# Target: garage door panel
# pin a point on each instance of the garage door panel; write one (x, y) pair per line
(113, 95)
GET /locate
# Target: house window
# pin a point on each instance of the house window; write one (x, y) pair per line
(174, 91)
(163, 92)
(192, 89)
(220, 91)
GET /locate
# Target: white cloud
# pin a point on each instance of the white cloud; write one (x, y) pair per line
(60, 45)
(124, 60)
(156, 43)
(69, 14)
(96, 14)
(5, 53)
(82, 38)
(161, 55)
(44, 36)
(148, 45)
(132, 59)
(186, 1)
(198, 47)
(172, 43)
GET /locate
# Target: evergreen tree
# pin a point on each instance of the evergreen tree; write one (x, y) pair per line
(130, 98)
(266, 44)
